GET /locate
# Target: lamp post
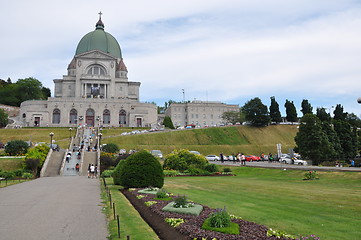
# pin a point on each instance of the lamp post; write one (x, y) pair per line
(100, 138)
(51, 139)
(70, 132)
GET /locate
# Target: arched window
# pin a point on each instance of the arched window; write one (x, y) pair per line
(73, 116)
(122, 117)
(96, 70)
(106, 116)
(56, 116)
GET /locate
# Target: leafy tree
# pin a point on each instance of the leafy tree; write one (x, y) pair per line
(306, 107)
(353, 120)
(274, 110)
(141, 169)
(338, 113)
(3, 118)
(232, 117)
(322, 115)
(291, 113)
(39, 152)
(16, 147)
(46, 92)
(167, 122)
(347, 139)
(312, 142)
(33, 164)
(111, 148)
(256, 112)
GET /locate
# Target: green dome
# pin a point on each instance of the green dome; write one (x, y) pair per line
(99, 40)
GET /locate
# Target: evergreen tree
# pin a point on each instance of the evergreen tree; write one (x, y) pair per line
(338, 113)
(312, 142)
(336, 148)
(274, 110)
(322, 115)
(347, 139)
(306, 107)
(256, 112)
(167, 122)
(291, 113)
(3, 118)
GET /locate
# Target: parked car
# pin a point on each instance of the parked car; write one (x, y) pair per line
(212, 158)
(195, 152)
(252, 158)
(157, 153)
(288, 160)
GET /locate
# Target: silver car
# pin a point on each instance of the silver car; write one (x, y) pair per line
(212, 158)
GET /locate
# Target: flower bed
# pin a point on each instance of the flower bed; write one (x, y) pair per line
(192, 226)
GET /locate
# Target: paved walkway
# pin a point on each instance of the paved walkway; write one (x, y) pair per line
(56, 208)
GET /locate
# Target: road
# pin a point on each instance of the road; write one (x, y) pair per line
(266, 164)
(56, 208)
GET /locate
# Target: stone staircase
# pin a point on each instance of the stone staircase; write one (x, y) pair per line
(89, 158)
(54, 165)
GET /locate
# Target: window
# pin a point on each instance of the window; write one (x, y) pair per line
(73, 116)
(122, 117)
(56, 116)
(96, 70)
(106, 116)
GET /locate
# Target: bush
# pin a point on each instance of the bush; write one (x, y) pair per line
(116, 172)
(183, 159)
(27, 175)
(139, 170)
(39, 152)
(106, 160)
(16, 147)
(227, 170)
(32, 164)
(107, 173)
(162, 194)
(181, 202)
(220, 219)
(111, 148)
(211, 168)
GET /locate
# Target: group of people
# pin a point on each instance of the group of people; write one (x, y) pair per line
(92, 171)
(240, 157)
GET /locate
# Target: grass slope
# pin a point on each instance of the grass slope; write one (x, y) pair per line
(329, 207)
(247, 139)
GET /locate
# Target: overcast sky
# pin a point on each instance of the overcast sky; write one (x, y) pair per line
(217, 50)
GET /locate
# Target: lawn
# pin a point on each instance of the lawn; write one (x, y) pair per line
(11, 164)
(131, 223)
(329, 207)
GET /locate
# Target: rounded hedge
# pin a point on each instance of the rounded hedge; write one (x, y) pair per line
(139, 170)
(183, 159)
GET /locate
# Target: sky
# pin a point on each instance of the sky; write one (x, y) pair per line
(216, 50)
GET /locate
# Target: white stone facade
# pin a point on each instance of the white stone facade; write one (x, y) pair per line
(199, 113)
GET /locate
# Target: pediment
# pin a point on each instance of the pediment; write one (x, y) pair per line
(96, 54)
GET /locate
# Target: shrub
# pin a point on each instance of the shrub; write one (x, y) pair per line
(227, 170)
(220, 219)
(32, 164)
(16, 147)
(181, 160)
(170, 173)
(310, 175)
(111, 148)
(39, 152)
(139, 170)
(211, 168)
(181, 202)
(107, 173)
(27, 175)
(162, 193)
(116, 172)
(106, 160)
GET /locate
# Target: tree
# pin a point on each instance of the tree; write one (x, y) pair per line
(338, 113)
(3, 118)
(167, 122)
(347, 139)
(322, 115)
(256, 112)
(39, 152)
(33, 164)
(140, 169)
(312, 142)
(16, 147)
(274, 110)
(306, 107)
(353, 120)
(29, 88)
(232, 117)
(111, 148)
(291, 113)
(46, 92)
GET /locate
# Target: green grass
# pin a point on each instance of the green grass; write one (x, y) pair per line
(249, 140)
(329, 207)
(7, 183)
(131, 223)
(61, 135)
(11, 164)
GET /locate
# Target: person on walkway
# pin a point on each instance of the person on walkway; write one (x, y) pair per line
(243, 159)
(221, 157)
(89, 170)
(96, 171)
(77, 167)
(92, 170)
(239, 157)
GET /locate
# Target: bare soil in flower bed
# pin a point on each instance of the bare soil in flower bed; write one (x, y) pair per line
(192, 227)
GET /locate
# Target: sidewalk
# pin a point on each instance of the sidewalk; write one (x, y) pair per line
(56, 208)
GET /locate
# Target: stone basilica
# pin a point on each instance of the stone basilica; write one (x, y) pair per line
(95, 91)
